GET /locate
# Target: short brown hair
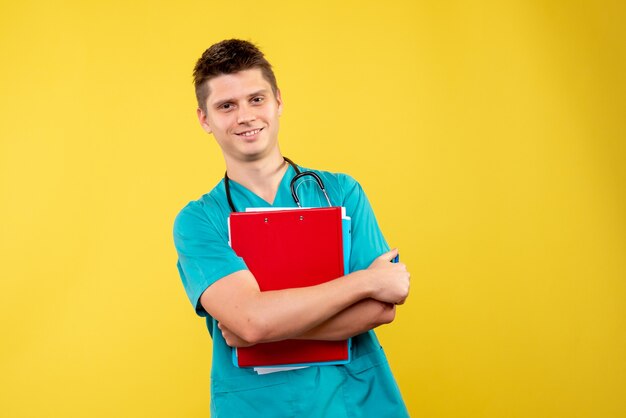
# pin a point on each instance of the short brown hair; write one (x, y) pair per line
(228, 57)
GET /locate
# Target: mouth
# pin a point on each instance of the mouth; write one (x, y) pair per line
(251, 132)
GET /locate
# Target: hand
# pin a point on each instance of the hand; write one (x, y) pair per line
(391, 280)
(232, 339)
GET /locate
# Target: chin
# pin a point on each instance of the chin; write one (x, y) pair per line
(252, 156)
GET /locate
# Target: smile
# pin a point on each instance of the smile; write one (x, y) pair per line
(250, 133)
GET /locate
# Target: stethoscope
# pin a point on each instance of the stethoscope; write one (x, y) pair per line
(294, 191)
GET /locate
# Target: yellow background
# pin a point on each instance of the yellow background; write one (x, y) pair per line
(489, 136)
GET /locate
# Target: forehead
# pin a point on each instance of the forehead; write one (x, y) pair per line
(237, 85)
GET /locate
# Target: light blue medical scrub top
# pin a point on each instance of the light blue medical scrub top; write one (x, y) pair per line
(363, 388)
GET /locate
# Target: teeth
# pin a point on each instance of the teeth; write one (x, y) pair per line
(250, 133)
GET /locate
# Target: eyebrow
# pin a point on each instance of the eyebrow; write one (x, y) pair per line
(256, 93)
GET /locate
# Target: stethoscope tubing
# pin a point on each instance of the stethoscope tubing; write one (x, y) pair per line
(294, 192)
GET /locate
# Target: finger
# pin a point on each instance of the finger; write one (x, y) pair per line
(389, 255)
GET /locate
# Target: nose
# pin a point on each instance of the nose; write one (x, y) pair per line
(245, 115)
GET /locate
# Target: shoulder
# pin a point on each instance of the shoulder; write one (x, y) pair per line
(202, 211)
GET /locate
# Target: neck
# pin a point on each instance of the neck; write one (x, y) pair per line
(261, 177)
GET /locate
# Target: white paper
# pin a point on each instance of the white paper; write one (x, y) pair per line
(268, 370)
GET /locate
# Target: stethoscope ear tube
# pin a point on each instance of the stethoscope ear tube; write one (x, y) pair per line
(292, 186)
(317, 178)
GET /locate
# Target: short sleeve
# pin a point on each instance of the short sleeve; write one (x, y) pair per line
(367, 239)
(204, 255)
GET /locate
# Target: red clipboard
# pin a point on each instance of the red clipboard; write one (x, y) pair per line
(288, 249)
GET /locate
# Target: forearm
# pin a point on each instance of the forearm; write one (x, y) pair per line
(293, 312)
(284, 314)
(354, 320)
(255, 317)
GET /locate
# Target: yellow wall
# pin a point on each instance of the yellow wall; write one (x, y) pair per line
(490, 137)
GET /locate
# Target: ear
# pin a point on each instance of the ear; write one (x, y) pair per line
(279, 100)
(202, 118)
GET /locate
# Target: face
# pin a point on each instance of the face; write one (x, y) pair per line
(242, 113)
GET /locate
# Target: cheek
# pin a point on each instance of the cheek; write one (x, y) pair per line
(272, 117)
(220, 126)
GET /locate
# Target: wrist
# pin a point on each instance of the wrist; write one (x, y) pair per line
(364, 283)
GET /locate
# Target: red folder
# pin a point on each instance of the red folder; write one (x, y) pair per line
(288, 249)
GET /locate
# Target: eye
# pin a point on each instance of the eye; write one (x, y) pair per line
(226, 106)
(257, 99)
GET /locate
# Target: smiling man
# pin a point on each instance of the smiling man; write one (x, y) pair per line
(239, 103)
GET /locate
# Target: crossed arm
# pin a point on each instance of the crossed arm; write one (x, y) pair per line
(334, 310)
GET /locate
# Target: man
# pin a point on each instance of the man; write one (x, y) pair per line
(240, 104)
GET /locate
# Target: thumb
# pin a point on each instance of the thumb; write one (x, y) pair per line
(389, 255)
